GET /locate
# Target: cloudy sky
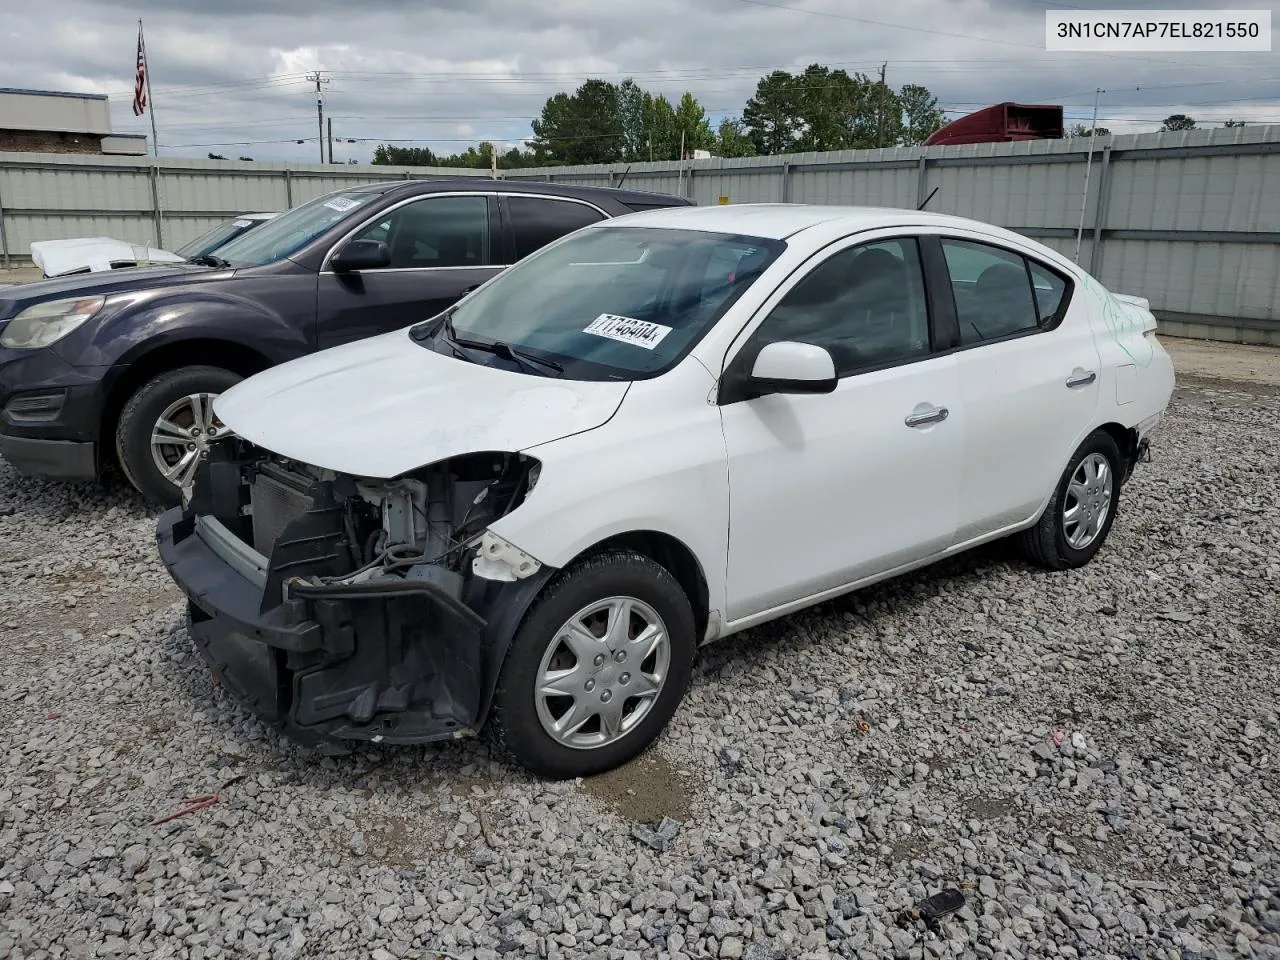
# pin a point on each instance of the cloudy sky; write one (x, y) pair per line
(230, 76)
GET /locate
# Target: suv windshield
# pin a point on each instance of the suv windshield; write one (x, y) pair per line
(288, 233)
(612, 302)
(211, 240)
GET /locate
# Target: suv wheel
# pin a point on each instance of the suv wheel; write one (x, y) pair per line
(165, 429)
(597, 668)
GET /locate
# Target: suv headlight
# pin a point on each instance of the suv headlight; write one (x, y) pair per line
(46, 323)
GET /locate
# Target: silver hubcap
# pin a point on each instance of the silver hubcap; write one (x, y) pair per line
(1088, 501)
(181, 437)
(602, 673)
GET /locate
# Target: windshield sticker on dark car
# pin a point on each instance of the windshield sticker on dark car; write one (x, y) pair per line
(341, 204)
(639, 333)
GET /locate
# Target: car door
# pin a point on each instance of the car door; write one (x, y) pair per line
(441, 246)
(828, 489)
(534, 221)
(1028, 369)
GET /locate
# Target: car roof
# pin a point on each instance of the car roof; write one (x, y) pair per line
(433, 184)
(778, 221)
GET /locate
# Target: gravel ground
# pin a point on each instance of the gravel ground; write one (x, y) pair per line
(1089, 757)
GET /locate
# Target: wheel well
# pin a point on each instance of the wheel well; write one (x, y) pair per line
(1125, 438)
(679, 561)
(173, 356)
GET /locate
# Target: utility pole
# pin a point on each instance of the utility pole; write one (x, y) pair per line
(317, 78)
(1088, 169)
(880, 108)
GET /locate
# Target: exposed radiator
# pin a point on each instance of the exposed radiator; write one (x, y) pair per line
(276, 504)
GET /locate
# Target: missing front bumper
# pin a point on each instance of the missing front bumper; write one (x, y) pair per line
(350, 663)
(388, 659)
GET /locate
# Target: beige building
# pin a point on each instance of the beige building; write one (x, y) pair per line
(46, 121)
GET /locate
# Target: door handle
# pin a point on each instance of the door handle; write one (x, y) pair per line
(1081, 378)
(936, 415)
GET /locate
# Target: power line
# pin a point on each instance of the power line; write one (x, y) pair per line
(940, 33)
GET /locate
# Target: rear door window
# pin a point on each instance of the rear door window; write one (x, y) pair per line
(536, 221)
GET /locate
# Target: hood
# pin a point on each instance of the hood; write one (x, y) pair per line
(386, 405)
(16, 298)
(56, 257)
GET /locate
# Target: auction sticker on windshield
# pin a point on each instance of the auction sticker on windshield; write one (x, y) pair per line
(341, 204)
(640, 333)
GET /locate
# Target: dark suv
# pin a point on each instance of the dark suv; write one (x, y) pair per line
(125, 365)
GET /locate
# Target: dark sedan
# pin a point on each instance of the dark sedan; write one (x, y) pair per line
(124, 366)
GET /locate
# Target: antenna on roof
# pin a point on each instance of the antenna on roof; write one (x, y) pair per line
(624, 175)
(928, 198)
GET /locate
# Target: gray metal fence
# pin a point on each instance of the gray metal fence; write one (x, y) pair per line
(1190, 220)
(166, 204)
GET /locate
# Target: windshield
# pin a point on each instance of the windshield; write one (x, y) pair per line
(211, 240)
(613, 302)
(288, 233)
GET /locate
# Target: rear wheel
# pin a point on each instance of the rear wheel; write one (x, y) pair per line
(597, 669)
(1078, 519)
(165, 429)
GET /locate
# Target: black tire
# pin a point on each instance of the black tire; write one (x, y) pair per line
(1045, 544)
(139, 417)
(515, 719)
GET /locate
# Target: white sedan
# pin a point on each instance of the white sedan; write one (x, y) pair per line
(654, 433)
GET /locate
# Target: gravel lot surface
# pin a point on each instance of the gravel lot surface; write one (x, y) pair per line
(1089, 757)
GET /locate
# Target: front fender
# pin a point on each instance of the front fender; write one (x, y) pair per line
(141, 322)
(659, 465)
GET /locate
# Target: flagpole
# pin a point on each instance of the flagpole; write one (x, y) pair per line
(151, 104)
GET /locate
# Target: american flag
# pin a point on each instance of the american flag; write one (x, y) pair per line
(140, 79)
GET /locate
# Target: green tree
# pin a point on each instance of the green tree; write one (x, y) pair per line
(663, 128)
(732, 141)
(771, 117)
(921, 117)
(1178, 121)
(692, 125)
(391, 155)
(843, 111)
(582, 127)
(632, 101)
(825, 109)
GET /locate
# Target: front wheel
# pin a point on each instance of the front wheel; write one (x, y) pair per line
(165, 429)
(598, 667)
(1075, 525)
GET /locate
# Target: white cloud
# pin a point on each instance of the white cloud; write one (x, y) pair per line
(456, 71)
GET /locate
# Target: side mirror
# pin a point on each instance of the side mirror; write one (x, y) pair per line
(361, 255)
(788, 367)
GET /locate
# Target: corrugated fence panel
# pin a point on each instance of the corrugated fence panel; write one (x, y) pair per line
(1196, 193)
(1213, 196)
(1205, 279)
(1012, 195)
(874, 187)
(742, 185)
(77, 188)
(21, 231)
(228, 193)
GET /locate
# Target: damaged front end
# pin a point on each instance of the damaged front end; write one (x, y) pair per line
(343, 607)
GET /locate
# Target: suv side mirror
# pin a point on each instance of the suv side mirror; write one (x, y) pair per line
(789, 367)
(361, 255)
